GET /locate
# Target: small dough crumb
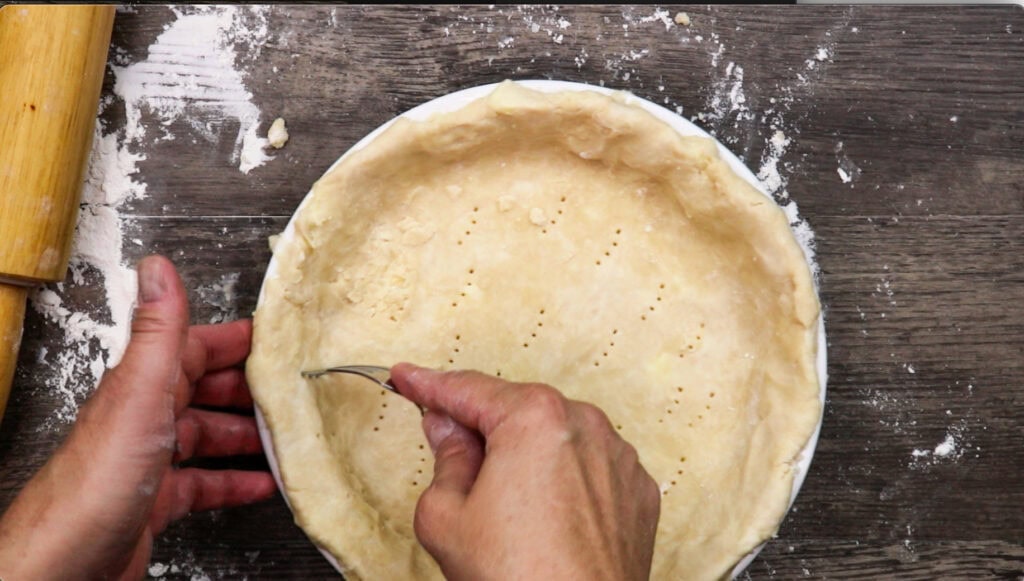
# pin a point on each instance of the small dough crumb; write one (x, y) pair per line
(537, 217)
(505, 203)
(272, 240)
(277, 136)
(682, 19)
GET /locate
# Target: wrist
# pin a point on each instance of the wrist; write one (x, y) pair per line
(38, 531)
(21, 558)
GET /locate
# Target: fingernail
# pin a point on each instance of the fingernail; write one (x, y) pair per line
(152, 284)
(437, 428)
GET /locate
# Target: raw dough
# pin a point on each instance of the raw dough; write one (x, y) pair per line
(277, 135)
(567, 238)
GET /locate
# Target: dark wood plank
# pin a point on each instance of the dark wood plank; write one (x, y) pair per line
(909, 560)
(921, 255)
(891, 86)
(810, 559)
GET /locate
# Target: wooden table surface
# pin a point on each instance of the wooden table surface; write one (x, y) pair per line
(921, 251)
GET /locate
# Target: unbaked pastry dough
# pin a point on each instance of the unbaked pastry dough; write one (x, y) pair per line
(566, 238)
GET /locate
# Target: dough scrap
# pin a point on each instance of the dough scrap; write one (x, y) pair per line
(661, 287)
(277, 135)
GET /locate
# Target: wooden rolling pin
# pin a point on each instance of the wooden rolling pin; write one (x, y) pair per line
(52, 60)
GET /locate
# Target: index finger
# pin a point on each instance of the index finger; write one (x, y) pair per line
(473, 399)
(214, 347)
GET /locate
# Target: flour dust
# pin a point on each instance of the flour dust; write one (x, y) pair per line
(193, 73)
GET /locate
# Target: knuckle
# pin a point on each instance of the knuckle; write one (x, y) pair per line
(463, 377)
(593, 417)
(631, 457)
(147, 320)
(544, 400)
(457, 375)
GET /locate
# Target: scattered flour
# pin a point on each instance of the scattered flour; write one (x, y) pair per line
(769, 174)
(730, 117)
(946, 448)
(184, 564)
(92, 343)
(847, 170)
(181, 568)
(534, 19)
(658, 15)
(189, 75)
(952, 448)
(222, 297)
(727, 102)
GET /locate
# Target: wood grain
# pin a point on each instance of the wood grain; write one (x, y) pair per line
(51, 70)
(921, 254)
(12, 316)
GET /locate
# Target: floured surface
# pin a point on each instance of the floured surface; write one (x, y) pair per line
(568, 239)
(189, 86)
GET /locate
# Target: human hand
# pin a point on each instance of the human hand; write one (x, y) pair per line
(93, 510)
(528, 484)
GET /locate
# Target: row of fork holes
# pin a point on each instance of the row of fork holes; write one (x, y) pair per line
(539, 325)
(559, 211)
(422, 457)
(677, 403)
(456, 348)
(614, 244)
(643, 317)
(679, 473)
(469, 282)
(419, 469)
(657, 299)
(472, 223)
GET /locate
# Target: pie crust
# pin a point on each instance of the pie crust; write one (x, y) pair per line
(568, 238)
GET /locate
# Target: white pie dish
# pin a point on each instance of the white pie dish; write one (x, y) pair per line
(457, 100)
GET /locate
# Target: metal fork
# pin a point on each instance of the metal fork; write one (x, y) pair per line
(379, 375)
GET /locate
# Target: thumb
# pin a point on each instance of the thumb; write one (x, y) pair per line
(152, 361)
(123, 440)
(458, 455)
